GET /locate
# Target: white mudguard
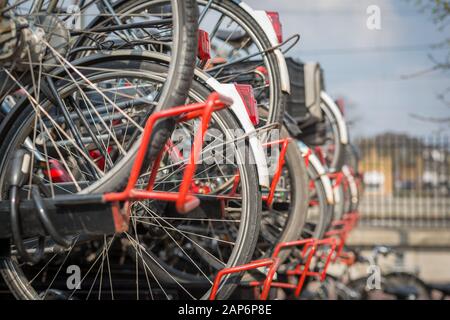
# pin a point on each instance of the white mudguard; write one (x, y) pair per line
(321, 171)
(264, 22)
(240, 112)
(352, 184)
(326, 99)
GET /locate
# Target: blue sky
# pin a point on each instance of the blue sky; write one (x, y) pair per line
(334, 32)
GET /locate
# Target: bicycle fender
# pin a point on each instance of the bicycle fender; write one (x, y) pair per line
(264, 22)
(331, 105)
(239, 111)
(321, 171)
(352, 184)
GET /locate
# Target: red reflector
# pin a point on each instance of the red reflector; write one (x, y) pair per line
(276, 23)
(57, 173)
(204, 48)
(98, 158)
(246, 93)
(264, 73)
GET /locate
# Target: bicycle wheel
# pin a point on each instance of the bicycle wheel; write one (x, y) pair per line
(341, 202)
(98, 26)
(239, 50)
(284, 220)
(389, 281)
(320, 210)
(164, 26)
(163, 255)
(336, 134)
(351, 190)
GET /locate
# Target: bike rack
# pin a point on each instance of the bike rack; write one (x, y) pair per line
(310, 250)
(302, 269)
(334, 241)
(281, 161)
(276, 177)
(271, 263)
(306, 157)
(74, 213)
(184, 200)
(340, 231)
(338, 178)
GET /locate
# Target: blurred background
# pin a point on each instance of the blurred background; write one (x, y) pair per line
(393, 83)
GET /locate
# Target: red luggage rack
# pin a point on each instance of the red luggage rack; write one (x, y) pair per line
(302, 269)
(341, 230)
(184, 200)
(284, 143)
(335, 242)
(110, 212)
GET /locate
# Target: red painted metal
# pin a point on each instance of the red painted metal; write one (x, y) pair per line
(332, 243)
(183, 199)
(271, 263)
(237, 179)
(307, 156)
(248, 97)
(276, 177)
(308, 255)
(281, 162)
(320, 155)
(338, 178)
(276, 23)
(303, 271)
(263, 73)
(340, 230)
(204, 46)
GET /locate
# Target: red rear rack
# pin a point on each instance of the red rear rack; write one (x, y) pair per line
(271, 263)
(184, 200)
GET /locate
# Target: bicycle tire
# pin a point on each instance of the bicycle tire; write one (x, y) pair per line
(298, 177)
(249, 235)
(232, 9)
(335, 119)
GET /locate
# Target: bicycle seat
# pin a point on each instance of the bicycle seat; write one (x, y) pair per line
(232, 36)
(444, 288)
(402, 292)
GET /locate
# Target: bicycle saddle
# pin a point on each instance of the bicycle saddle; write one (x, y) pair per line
(403, 292)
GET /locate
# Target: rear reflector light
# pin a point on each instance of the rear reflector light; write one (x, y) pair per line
(246, 93)
(276, 23)
(204, 48)
(57, 173)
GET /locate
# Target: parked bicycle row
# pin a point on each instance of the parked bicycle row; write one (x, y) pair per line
(166, 149)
